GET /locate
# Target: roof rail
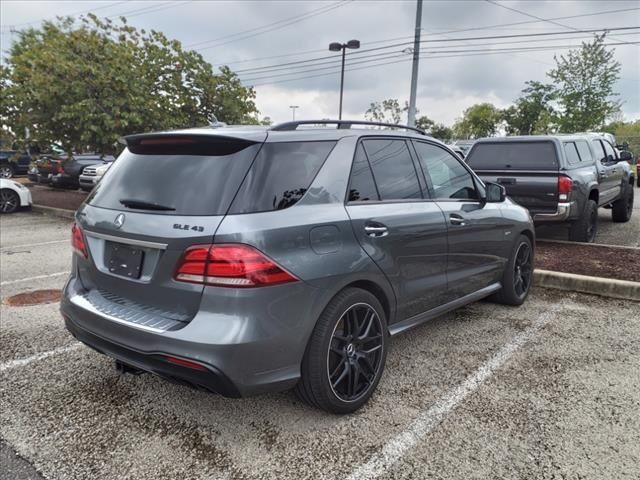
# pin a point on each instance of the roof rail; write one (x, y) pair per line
(342, 124)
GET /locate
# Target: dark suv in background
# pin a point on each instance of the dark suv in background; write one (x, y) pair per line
(559, 179)
(246, 260)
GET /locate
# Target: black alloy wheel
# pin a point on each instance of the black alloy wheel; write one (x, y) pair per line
(355, 352)
(9, 201)
(522, 269)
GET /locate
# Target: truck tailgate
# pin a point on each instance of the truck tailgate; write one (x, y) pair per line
(537, 191)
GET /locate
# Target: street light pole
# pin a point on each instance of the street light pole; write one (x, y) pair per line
(293, 110)
(337, 47)
(414, 69)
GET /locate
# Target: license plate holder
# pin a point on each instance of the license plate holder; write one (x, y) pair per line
(124, 260)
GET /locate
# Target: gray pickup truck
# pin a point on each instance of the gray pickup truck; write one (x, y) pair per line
(560, 178)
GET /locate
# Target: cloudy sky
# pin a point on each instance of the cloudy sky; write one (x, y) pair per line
(281, 47)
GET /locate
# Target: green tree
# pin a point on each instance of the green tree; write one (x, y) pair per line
(387, 111)
(479, 120)
(441, 132)
(532, 112)
(86, 84)
(626, 132)
(584, 80)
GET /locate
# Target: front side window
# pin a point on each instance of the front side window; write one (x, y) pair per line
(610, 153)
(599, 149)
(280, 176)
(571, 152)
(362, 188)
(393, 169)
(449, 179)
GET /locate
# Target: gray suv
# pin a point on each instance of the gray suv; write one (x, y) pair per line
(245, 260)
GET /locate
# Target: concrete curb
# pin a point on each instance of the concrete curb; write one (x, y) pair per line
(54, 212)
(604, 287)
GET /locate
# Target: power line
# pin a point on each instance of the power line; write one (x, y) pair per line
(397, 55)
(463, 39)
(405, 60)
(269, 27)
(486, 27)
(151, 9)
(336, 61)
(67, 15)
(547, 20)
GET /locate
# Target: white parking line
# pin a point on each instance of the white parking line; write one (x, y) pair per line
(428, 420)
(37, 277)
(40, 356)
(35, 244)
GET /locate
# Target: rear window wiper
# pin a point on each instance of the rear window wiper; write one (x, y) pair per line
(142, 205)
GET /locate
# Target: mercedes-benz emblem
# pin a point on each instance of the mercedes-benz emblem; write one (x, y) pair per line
(119, 221)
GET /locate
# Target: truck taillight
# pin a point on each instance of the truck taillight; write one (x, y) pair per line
(565, 185)
(230, 265)
(77, 241)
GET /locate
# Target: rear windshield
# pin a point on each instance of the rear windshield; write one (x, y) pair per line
(188, 178)
(280, 176)
(513, 155)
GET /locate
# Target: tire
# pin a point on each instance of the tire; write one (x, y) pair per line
(333, 357)
(623, 207)
(518, 274)
(585, 228)
(6, 171)
(9, 201)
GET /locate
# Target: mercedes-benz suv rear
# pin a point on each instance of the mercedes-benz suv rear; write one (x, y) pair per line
(242, 261)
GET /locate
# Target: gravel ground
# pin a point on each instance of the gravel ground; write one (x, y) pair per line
(608, 232)
(562, 403)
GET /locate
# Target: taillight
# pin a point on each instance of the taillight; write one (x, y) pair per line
(77, 241)
(565, 185)
(230, 265)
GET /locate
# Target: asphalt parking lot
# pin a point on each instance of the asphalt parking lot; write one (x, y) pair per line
(547, 390)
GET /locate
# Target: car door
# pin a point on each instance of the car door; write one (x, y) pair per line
(608, 177)
(404, 234)
(478, 236)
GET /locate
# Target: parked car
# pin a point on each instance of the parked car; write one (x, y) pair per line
(42, 169)
(638, 170)
(92, 174)
(464, 145)
(457, 150)
(13, 162)
(247, 260)
(559, 179)
(69, 169)
(13, 195)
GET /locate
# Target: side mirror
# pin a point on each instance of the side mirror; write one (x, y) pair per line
(626, 156)
(495, 193)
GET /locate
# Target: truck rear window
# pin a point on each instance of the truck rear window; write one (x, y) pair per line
(185, 176)
(513, 156)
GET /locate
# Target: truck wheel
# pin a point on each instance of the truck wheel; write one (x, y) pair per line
(6, 171)
(585, 228)
(623, 207)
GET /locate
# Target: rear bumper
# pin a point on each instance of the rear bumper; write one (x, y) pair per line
(211, 379)
(64, 180)
(562, 214)
(249, 344)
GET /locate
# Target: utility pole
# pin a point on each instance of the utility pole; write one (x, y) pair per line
(416, 64)
(293, 111)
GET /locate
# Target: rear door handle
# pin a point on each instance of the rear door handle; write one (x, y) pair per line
(376, 231)
(456, 219)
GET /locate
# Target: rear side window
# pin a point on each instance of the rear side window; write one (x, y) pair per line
(571, 152)
(280, 176)
(186, 175)
(513, 155)
(362, 188)
(597, 146)
(393, 169)
(584, 151)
